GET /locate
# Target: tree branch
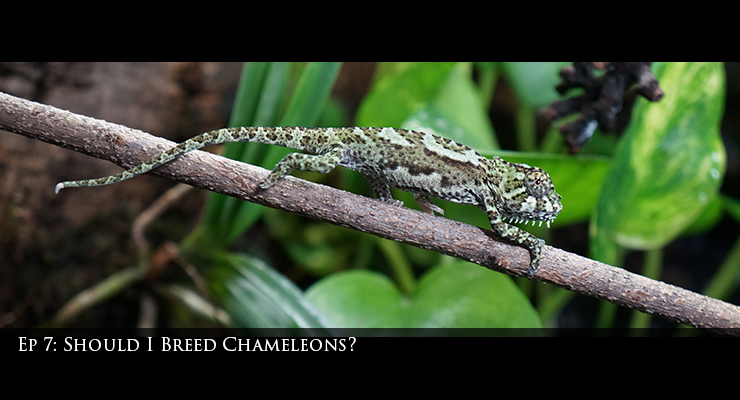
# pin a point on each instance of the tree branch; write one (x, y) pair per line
(128, 147)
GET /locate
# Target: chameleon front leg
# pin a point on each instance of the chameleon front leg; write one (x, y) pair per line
(321, 163)
(517, 236)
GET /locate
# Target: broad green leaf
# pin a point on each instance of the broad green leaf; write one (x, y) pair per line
(464, 295)
(439, 98)
(431, 119)
(458, 295)
(401, 92)
(358, 299)
(668, 165)
(708, 218)
(460, 102)
(534, 82)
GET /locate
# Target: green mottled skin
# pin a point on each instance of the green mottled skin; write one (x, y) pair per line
(421, 163)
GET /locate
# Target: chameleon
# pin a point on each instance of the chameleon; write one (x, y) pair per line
(423, 164)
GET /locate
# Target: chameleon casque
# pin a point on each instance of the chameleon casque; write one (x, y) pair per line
(420, 163)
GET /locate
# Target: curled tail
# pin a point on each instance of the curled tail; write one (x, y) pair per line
(249, 134)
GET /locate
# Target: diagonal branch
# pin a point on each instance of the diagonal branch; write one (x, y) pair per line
(128, 147)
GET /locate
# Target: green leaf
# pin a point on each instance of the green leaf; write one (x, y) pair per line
(358, 299)
(457, 295)
(534, 82)
(732, 206)
(311, 93)
(667, 167)
(439, 98)
(460, 102)
(234, 215)
(252, 103)
(708, 218)
(402, 91)
(464, 295)
(306, 104)
(248, 94)
(259, 99)
(256, 296)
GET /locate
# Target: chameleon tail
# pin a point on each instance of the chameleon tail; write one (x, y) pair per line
(197, 142)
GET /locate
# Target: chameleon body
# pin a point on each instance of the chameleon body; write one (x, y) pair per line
(421, 163)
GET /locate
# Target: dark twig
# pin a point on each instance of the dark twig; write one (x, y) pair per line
(128, 147)
(603, 97)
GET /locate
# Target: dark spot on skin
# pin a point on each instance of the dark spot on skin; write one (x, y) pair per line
(420, 169)
(462, 165)
(305, 141)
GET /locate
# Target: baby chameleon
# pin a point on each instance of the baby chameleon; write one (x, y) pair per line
(417, 162)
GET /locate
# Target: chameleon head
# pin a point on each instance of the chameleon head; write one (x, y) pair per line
(529, 195)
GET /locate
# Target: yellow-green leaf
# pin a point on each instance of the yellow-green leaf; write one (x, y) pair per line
(667, 167)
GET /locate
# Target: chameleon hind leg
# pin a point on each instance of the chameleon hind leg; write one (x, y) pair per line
(383, 191)
(381, 188)
(321, 163)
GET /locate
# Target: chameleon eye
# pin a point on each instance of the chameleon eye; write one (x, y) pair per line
(538, 183)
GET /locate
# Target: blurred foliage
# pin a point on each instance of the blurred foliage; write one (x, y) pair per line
(641, 191)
